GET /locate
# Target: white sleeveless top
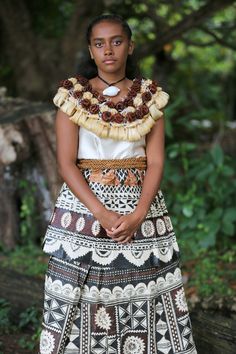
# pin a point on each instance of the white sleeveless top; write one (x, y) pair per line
(92, 146)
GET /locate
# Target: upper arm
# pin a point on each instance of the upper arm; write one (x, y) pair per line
(155, 143)
(67, 138)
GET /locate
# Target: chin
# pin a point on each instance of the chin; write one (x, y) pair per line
(111, 69)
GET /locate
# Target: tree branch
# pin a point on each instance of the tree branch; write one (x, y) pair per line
(190, 21)
(218, 39)
(198, 44)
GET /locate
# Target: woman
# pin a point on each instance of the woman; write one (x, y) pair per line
(113, 283)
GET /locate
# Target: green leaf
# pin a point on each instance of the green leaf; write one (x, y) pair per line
(209, 240)
(229, 215)
(218, 155)
(227, 171)
(229, 229)
(188, 211)
(168, 127)
(205, 171)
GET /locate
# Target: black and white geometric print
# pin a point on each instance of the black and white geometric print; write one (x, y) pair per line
(102, 297)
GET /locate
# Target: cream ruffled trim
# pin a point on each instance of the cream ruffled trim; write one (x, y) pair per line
(129, 131)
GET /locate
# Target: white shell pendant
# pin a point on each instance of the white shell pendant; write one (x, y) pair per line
(111, 91)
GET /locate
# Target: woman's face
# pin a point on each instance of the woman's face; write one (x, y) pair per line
(109, 47)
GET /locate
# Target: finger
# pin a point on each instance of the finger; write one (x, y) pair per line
(118, 222)
(111, 233)
(122, 238)
(118, 230)
(121, 234)
(108, 230)
(126, 240)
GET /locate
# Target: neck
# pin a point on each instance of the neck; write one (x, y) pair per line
(112, 77)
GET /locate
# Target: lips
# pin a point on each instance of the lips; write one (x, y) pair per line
(109, 61)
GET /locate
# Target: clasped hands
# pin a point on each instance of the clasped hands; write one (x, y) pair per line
(120, 228)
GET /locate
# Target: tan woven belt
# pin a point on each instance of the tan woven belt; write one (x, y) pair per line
(95, 164)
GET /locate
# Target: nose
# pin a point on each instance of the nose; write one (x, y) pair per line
(108, 49)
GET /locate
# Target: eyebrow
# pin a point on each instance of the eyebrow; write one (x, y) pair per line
(116, 36)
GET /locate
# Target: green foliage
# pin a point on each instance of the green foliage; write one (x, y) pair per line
(28, 212)
(214, 273)
(31, 317)
(29, 321)
(202, 197)
(5, 323)
(31, 342)
(27, 259)
(50, 18)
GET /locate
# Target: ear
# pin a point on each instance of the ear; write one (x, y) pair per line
(90, 51)
(131, 47)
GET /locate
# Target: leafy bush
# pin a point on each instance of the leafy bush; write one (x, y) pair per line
(30, 318)
(28, 212)
(29, 322)
(28, 259)
(202, 197)
(212, 273)
(5, 322)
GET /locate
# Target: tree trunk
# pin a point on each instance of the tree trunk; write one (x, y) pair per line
(28, 171)
(214, 332)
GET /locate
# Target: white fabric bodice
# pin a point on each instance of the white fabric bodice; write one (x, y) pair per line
(92, 146)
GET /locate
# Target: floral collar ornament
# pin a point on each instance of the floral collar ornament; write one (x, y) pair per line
(129, 119)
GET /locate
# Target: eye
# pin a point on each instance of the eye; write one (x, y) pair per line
(117, 42)
(98, 44)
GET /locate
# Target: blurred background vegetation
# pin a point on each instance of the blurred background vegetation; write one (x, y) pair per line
(189, 48)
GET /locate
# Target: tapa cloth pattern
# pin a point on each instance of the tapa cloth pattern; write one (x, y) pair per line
(102, 297)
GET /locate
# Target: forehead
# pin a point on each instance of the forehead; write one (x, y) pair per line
(106, 29)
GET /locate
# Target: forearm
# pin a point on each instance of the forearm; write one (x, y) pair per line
(73, 177)
(151, 184)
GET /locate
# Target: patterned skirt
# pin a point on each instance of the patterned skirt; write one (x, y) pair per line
(102, 297)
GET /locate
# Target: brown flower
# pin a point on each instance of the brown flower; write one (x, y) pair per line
(138, 114)
(106, 116)
(85, 103)
(120, 106)
(128, 102)
(67, 84)
(77, 94)
(144, 109)
(111, 104)
(146, 96)
(152, 88)
(132, 93)
(130, 116)
(138, 80)
(82, 80)
(95, 93)
(118, 118)
(155, 83)
(136, 87)
(87, 87)
(101, 98)
(94, 108)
